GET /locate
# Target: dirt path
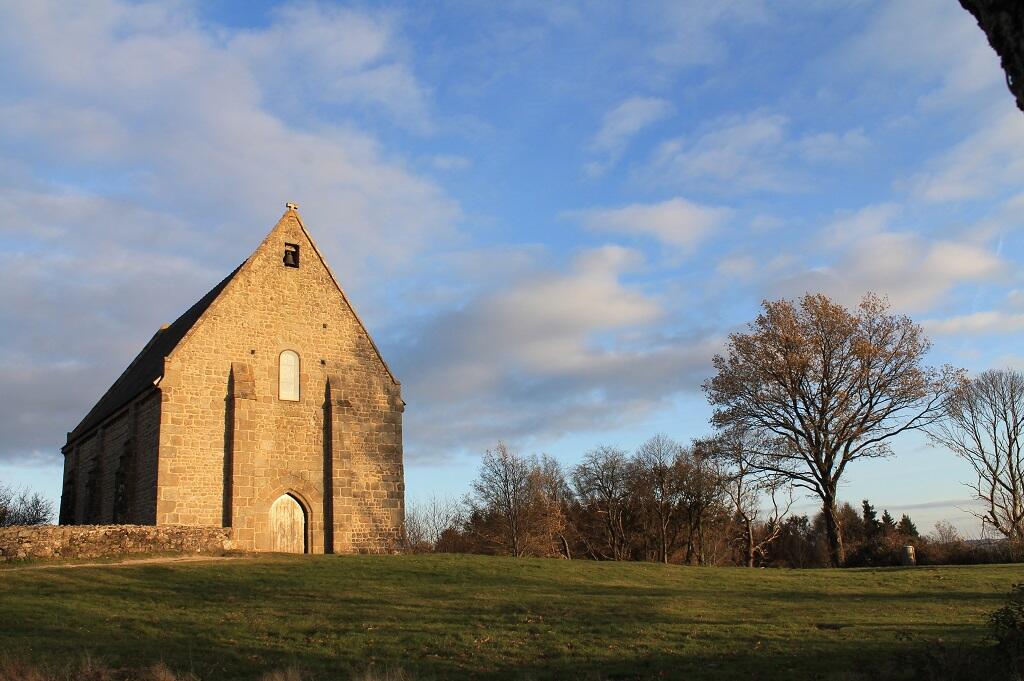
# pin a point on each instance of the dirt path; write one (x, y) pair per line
(124, 563)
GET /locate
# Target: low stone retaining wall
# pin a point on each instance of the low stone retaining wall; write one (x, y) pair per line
(96, 541)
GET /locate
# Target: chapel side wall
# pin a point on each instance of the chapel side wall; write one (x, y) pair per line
(88, 454)
(147, 450)
(113, 438)
(67, 488)
(266, 309)
(134, 430)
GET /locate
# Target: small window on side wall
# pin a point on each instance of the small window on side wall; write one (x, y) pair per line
(288, 379)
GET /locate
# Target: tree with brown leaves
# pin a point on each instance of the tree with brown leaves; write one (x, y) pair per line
(823, 386)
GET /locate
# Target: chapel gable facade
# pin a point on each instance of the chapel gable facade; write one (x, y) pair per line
(266, 407)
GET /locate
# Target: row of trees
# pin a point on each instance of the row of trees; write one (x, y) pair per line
(660, 503)
(610, 507)
(665, 502)
(809, 388)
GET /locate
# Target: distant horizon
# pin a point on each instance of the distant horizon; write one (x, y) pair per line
(550, 216)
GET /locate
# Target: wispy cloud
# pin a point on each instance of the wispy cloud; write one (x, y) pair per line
(677, 222)
(621, 124)
(343, 56)
(881, 262)
(749, 153)
(874, 249)
(936, 47)
(983, 165)
(547, 352)
(985, 322)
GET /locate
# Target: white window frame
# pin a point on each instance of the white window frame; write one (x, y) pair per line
(288, 388)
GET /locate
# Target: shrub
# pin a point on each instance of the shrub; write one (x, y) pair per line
(1008, 628)
(23, 508)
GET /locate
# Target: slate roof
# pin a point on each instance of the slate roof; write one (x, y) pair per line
(148, 365)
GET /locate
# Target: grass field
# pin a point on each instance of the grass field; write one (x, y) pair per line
(447, 616)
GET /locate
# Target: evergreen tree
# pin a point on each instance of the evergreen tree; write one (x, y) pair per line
(888, 524)
(871, 525)
(907, 527)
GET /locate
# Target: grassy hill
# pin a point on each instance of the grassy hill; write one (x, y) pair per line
(446, 616)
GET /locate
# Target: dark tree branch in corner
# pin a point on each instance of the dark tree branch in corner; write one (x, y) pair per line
(1003, 23)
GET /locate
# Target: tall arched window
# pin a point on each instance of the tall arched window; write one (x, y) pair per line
(288, 379)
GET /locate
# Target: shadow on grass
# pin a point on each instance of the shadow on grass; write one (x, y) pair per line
(932, 663)
(460, 617)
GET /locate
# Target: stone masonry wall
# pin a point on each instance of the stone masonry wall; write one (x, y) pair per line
(225, 457)
(92, 466)
(95, 541)
(148, 431)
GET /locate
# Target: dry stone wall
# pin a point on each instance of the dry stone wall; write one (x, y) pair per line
(95, 541)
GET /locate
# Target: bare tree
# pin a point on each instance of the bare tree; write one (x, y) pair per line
(552, 501)
(760, 500)
(984, 426)
(24, 507)
(601, 481)
(822, 387)
(658, 479)
(414, 530)
(426, 522)
(945, 533)
(504, 491)
(441, 514)
(701, 494)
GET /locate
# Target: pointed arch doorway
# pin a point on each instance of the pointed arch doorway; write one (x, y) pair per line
(287, 525)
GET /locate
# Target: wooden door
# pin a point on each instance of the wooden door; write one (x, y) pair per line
(287, 525)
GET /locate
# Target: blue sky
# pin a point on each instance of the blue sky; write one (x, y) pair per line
(550, 215)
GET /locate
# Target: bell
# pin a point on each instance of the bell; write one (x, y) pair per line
(291, 256)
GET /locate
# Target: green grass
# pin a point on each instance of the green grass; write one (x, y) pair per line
(449, 616)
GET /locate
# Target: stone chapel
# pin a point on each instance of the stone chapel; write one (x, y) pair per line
(266, 407)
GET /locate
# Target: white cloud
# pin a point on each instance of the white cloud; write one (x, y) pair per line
(738, 266)
(937, 45)
(627, 119)
(737, 153)
(754, 152)
(977, 323)
(831, 146)
(676, 222)
(345, 56)
(986, 162)
(549, 351)
(913, 272)
(867, 221)
(175, 118)
(621, 124)
(450, 162)
(688, 33)
(1015, 298)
